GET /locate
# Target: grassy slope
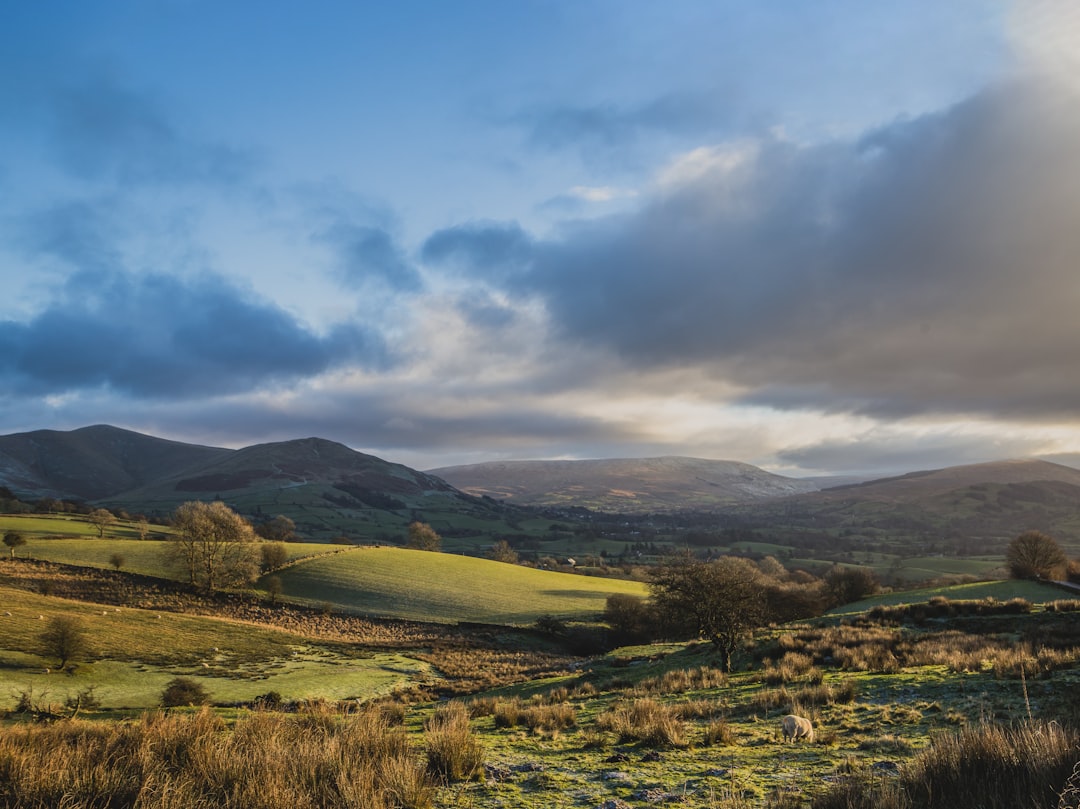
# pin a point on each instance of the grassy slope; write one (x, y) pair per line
(1001, 590)
(443, 587)
(892, 717)
(135, 652)
(145, 557)
(33, 526)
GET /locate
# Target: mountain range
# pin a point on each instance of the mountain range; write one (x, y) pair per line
(325, 487)
(329, 489)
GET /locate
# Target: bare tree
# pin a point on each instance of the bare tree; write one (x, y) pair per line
(846, 585)
(280, 529)
(274, 587)
(216, 547)
(101, 518)
(423, 537)
(722, 600)
(502, 551)
(274, 555)
(1033, 554)
(64, 638)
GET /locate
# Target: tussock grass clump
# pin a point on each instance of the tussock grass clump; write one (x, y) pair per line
(994, 766)
(822, 694)
(791, 667)
(699, 709)
(886, 744)
(678, 681)
(988, 766)
(886, 650)
(771, 699)
(265, 761)
(537, 718)
(454, 752)
(646, 721)
(718, 733)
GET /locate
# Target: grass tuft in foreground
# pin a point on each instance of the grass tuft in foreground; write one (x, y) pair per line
(166, 761)
(989, 766)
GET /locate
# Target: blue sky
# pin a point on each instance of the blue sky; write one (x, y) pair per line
(827, 237)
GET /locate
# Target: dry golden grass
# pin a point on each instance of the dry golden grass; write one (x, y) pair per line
(988, 766)
(454, 752)
(647, 721)
(318, 758)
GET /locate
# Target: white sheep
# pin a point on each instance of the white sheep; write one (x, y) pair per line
(795, 727)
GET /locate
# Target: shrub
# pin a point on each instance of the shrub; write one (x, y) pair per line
(270, 701)
(550, 625)
(64, 638)
(631, 618)
(183, 691)
(1033, 554)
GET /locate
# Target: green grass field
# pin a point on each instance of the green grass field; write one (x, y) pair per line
(1034, 592)
(133, 653)
(419, 585)
(146, 557)
(33, 526)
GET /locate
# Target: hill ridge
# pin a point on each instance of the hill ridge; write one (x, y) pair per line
(635, 485)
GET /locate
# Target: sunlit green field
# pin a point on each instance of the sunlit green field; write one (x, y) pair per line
(420, 585)
(133, 653)
(69, 525)
(1034, 592)
(147, 557)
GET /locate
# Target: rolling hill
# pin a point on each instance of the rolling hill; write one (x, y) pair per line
(93, 462)
(447, 588)
(325, 487)
(630, 485)
(974, 507)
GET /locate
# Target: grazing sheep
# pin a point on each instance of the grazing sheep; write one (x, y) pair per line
(795, 727)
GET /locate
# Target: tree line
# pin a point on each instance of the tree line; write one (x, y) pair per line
(724, 600)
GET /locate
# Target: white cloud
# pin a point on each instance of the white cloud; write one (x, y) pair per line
(604, 193)
(1046, 36)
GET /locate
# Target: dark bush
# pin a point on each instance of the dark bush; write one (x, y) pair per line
(182, 691)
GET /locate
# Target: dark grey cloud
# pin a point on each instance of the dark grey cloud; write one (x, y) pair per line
(493, 249)
(393, 421)
(102, 129)
(929, 266)
(369, 253)
(483, 312)
(155, 335)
